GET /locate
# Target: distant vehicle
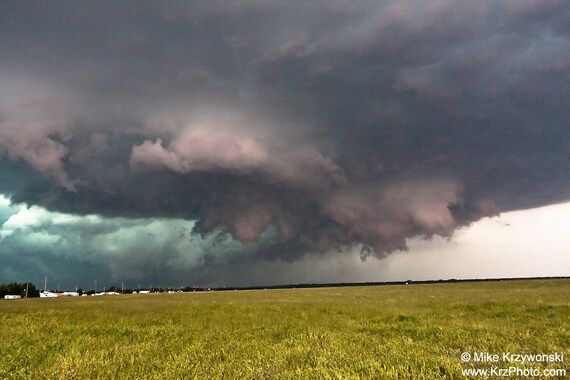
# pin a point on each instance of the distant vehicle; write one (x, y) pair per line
(12, 296)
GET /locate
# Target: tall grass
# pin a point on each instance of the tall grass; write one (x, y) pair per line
(381, 332)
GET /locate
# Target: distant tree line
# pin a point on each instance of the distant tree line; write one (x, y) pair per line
(20, 289)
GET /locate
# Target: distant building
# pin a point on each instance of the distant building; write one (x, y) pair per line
(12, 296)
(48, 294)
(106, 294)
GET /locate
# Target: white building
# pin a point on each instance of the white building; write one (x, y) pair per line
(48, 294)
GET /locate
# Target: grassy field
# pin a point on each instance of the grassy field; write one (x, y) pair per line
(376, 332)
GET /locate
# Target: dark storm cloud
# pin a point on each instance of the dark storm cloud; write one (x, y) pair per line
(325, 125)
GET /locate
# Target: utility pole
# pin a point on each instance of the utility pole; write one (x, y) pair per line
(27, 288)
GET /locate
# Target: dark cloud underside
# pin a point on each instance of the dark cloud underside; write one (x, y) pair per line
(293, 127)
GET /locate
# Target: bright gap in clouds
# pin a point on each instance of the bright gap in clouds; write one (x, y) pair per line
(528, 243)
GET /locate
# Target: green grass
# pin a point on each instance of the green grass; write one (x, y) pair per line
(381, 332)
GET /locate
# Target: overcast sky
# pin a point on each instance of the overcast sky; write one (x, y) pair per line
(263, 142)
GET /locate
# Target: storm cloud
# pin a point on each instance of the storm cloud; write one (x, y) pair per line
(287, 127)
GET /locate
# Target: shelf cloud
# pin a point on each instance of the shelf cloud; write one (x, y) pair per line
(287, 127)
